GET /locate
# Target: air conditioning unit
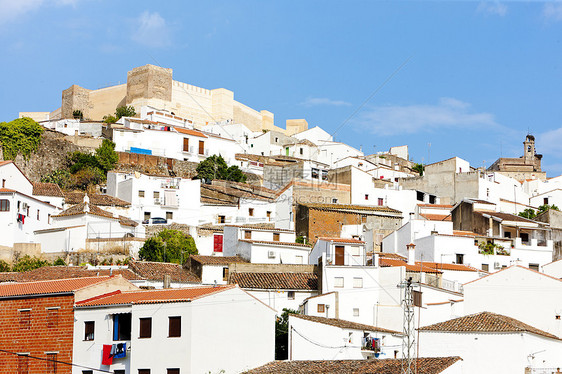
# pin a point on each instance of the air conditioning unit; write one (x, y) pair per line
(497, 265)
(270, 254)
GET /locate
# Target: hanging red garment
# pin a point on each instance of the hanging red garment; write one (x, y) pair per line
(106, 358)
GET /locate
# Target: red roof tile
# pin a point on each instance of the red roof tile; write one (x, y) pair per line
(48, 287)
(65, 272)
(276, 243)
(342, 240)
(486, 322)
(275, 281)
(47, 189)
(95, 199)
(157, 296)
(386, 262)
(217, 260)
(436, 217)
(185, 131)
(156, 271)
(343, 323)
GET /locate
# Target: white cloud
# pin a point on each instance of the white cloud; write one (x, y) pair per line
(493, 8)
(449, 113)
(552, 11)
(313, 101)
(151, 30)
(11, 9)
(550, 142)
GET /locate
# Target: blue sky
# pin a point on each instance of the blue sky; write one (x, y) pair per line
(470, 78)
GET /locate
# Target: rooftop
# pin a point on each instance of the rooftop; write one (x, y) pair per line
(47, 189)
(388, 262)
(363, 208)
(436, 217)
(217, 260)
(486, 322)
(48, 286)
(342, 240)
(156, 271)
(62, 272)
(95, 199)
(169, 295)
(428, 365)
(344, 324)
(283, 281)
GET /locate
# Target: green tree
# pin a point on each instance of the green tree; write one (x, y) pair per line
(77, 114)
(109, 119)
(528, 213)
(545, 207)
(59, 262)
(61, 177)
(29, 263)
(4, 266)
(125, 111)
(168, 246)
(214, 167)
(419, 168)
(21, 135)
(282, 322)
(106, 156)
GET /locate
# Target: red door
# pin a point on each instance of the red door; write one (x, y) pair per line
(217, 247)
(340, 255)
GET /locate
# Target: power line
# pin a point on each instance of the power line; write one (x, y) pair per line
(57, 361)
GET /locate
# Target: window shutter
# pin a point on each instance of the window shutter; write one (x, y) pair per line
(174, 330)
(145, 328)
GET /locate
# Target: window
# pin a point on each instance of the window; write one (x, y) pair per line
(301, 151)
(222, 219)
(324, 175)
(315, 173)
(275, 236)
(146, 216)
(144, 371)
(201, 147)
(3, 183)
(334, 201)
(174, 327)
(51, 363)
(52, 317)
(419, 195)
(224, 274)
(48, 218)
(251, 212)
(321, 308)
(156, 194)
(507, 234)
(27, 211)
(355, 312)
(122, 326)
(169, 215)
(524, 237)
(291, 295)
(87, 372)
(141, 193)
(299, 259)
(186, 144)
(89, 329)
(485, 267)
(459, 258)
(119, 371)
(247, 234)
(534, 267)
(173, 371)
(276, 140)
(366, 196)
(145, 328)
(357, 282)
(25, 319)
(23, 363)
(545, 201)
(338, 282)
(381, 201)
(268, 214)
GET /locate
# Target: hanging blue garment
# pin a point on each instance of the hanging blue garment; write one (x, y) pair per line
(120, 350)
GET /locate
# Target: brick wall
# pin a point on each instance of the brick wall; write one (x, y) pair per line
(40, 337)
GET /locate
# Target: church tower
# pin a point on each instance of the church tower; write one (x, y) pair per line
(529, 151)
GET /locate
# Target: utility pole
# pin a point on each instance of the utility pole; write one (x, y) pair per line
(408, 340)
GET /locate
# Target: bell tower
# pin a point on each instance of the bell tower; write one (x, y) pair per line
(529, 150)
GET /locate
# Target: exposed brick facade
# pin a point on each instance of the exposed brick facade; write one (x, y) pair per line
(48, 331)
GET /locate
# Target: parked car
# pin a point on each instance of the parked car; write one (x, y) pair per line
(155, 221)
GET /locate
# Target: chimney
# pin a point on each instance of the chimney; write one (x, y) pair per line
(167, 280)
(411, 254)
(375, 259)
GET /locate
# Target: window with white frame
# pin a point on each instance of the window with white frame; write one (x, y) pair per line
(357, 282)
(338, 282)
(355, 251)
(355, 312)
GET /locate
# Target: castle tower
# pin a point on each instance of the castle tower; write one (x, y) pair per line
(529, 148)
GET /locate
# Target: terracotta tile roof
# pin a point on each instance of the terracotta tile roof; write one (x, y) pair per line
(47, 189)
(478, 201)
(83, 208)
(506, 217)
(217, 260)
(65, 272)
(342, 240)
(48, 287)
(235, 191)
(427, 365)
(344, 324)
(344, 207)
(486, 322)
(155, 271)
(440, 266)
(169, 295)
(276, 243)
(464, 233)
(127, 221)
(95, 199)
(387, 262)
(7, 190)
(214, 201)
(185, 131)
(436, 217)
(275, 281)
(389, 255)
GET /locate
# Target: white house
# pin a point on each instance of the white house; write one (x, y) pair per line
(187, 330)
(315, 134)
(554, 269)
(49, 193)
(520, 293)
(320, 338)
(85, 226)
(175, 199)
(260, 245)
(493, 343)
(212, 269)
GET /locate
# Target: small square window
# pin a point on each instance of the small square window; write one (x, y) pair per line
(247, 234)
(357, 282)
(338, 282)
(321, 308)
(169, 215)
(380, 201)
(145, 328)
(141, 193)
(366, 196)
(222, 219)
(334, 201)
(251, 212)
(89, 330)
(156, 194)
(355, 312)
(291, 295)
(276, 237)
